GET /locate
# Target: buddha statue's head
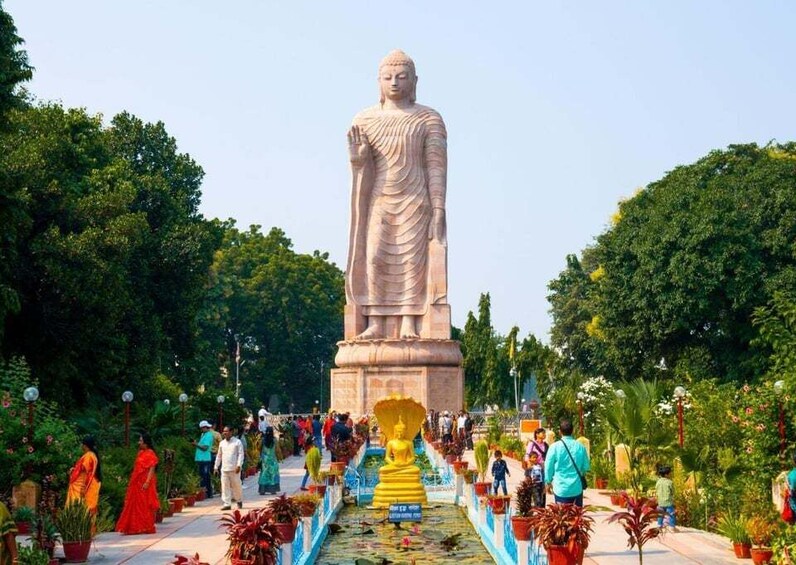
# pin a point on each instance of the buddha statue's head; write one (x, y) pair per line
(400, 429)
(397, 77)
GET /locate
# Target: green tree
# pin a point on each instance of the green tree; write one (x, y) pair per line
(684, 267)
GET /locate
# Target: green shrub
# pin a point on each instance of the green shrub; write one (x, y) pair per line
(481, 453)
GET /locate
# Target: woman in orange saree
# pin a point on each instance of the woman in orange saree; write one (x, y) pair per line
(141, 501)
(86, 476)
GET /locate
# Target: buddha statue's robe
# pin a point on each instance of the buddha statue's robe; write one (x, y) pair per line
(392, 211)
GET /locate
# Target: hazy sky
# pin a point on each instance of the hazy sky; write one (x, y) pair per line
(555, 110)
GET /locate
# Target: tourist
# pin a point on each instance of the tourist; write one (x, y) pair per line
(537, 445)
(298, 433)
(141, 501)
(446, 427)
(229, 462)
(339, 432)
(86, 476)
(500, 470)
(8, 536)
(565, 466)
(791, 478)
(310, 445)
(460, 426)
(664, 493)
(263, 424)
(268, 481)
(316, 431)
(536, 473)
(203, 457)
(216, 441)
(468, 431)
(331, 420)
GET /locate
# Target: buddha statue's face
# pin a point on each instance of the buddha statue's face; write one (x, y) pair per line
(399, 432)
(397, 82)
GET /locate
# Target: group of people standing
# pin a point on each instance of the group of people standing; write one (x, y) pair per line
(448, 425)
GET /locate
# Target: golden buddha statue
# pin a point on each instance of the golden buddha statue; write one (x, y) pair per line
(399, 479)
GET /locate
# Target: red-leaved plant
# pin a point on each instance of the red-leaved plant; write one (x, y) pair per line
(252, 536)
(640, 521)
(561, 524)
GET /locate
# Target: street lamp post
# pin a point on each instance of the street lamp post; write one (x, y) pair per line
(127, 398)
(679, 393)
(220, 399)
(317, 406)
(581, 395)
(183, 399)
(31, 395)
(779, 386)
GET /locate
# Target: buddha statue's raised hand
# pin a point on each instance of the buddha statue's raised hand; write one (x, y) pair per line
(358, 148)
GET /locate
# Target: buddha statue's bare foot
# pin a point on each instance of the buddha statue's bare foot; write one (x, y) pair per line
(408, 330)
(374, 331)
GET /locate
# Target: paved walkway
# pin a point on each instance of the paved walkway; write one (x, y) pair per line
(608, 545)
(193, 530)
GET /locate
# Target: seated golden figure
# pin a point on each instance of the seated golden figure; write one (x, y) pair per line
(399, 479)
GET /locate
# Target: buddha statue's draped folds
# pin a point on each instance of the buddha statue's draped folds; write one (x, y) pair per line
(409, 156)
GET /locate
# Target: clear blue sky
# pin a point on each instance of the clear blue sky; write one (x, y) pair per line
(555, 110)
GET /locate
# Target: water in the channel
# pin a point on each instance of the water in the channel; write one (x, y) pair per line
(444, 536)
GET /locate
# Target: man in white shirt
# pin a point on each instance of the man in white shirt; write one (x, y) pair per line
(229, 461)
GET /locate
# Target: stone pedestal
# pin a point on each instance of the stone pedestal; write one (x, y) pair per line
(355, 389)
(27, 494)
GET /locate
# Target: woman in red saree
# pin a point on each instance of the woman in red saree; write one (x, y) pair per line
(86, 476)
(141, 501)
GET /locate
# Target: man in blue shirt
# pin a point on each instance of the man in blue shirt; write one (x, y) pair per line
(566, 462)
(202, 456)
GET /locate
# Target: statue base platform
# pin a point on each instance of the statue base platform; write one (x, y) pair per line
(394, 493)
(398, 352)
(356, 388)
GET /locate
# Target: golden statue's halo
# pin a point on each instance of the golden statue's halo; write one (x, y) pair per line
(394, 408)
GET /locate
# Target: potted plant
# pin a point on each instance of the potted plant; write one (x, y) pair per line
(45, 535)
(601, 468)
(313, 462)
(469, 476)
(498, 502)
(75, 525)
(190, 488)
(453, 451)
(32, 555)
(734, 528)
(285, 514)
(563, 530)
(307, 503)
(521, 520)
(760, 531)
(345, 450)
(24, 516)
(640, 521)
(253, 537)
(481, 453)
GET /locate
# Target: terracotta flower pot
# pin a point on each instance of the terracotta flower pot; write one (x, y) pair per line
(559, 555)
(172, 508)
(499, 504)
(23, 528)
(287, 531)
(76, 551)
(600, 483)
(331, 479)
(762, 555)
(179, 504)
(460, 466)
(481, 489)
(201, 494)
(742, 550)
(158, 516)
(522, 528)
(320, 490)
(338, 466)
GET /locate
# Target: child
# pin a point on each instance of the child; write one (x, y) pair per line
(536, 473)
(664, 491)
(499, 472)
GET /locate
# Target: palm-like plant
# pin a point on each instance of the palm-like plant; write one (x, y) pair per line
(633, 421)
(639, 520)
